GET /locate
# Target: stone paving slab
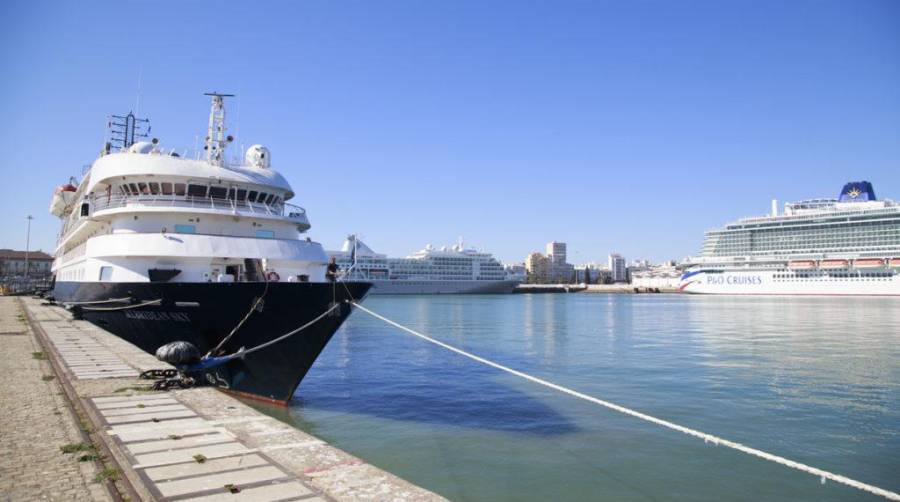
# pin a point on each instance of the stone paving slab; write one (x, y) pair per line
(198, 465)
(85, 357)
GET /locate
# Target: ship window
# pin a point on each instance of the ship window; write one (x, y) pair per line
(166, 188)
(105, 274)
(231, 193)
(266, 234)
(134, 189)
(185, 229)
(124, 189)
(143, 188)
(251, 197)
(154, 188)
(261, 197)
(241, 194)
(196, 190)
(217, 192)
(269, 198)
(179, 188)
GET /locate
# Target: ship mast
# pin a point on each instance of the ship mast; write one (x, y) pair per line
(216, 141)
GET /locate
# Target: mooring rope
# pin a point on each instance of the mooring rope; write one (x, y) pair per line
(242, 353)
(253, 307)
(707, 438)
(126, 307)
(111, 300)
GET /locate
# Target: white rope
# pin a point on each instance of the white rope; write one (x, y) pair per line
(126, 307)
(112, 300)
(822, 474)
(242, 353)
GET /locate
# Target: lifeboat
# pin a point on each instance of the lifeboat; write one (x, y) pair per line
(895, 262)
(869, 263)
(63, 198)
(834, 264)
(802, 264)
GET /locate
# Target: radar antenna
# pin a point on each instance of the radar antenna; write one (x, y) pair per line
(124, 130)
(216, 141)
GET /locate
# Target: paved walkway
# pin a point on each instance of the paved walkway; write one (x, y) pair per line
(35, 422)
(195, 444)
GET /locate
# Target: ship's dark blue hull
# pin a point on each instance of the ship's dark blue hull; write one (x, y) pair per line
(204, 313)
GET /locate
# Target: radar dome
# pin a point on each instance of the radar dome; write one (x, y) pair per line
(141, 147)
(258, 156)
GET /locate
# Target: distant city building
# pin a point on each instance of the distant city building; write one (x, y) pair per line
(556, 251)
(640, 265)
(560, 270)
(12, 263)
(617, 268)
(596, 274)
(538, 268)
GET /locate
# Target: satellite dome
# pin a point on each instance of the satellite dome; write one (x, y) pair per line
(141, 147)
(258, 156)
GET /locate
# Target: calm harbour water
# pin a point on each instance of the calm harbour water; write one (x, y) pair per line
(816, 380)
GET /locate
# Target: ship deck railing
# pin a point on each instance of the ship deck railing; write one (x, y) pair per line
(102, 202)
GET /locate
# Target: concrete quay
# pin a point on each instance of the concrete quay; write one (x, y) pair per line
(192, 444)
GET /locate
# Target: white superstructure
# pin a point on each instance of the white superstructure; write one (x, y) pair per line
(145, 214)
(844, 246)
(444, 270)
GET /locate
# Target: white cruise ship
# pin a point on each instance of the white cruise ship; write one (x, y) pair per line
(159, 248)
(454, 270)
(844, 246)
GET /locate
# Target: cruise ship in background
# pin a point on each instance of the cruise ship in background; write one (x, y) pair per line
(844, 246)
(453, 270)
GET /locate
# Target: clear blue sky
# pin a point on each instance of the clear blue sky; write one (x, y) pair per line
(627, 126)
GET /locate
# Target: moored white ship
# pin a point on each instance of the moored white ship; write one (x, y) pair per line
(844, 246)
(156, 248)
(445, 270)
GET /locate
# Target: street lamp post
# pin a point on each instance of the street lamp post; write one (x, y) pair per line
(27, 244)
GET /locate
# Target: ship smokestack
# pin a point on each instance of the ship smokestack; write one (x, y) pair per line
(774, 207)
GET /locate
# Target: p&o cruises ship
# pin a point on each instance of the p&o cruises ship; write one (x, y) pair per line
(156, 248)
(844, 246)
(455, 270)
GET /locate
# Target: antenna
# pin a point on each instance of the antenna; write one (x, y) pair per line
(124, 130)
(137, 99)
(216, 141)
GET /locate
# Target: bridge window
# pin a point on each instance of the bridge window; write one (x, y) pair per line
(251, 197)
(197, 190)
(154, 188)
(241, 194)
(217, 192)
(142, 188)
(166, 188)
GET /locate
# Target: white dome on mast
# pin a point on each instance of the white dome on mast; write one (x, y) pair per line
(258, 156)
